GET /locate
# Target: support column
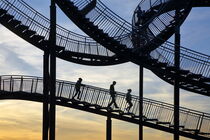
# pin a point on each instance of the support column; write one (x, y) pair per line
(108, 128)
(141, 80)
(176, 82)
(52, 69)
(46, 80)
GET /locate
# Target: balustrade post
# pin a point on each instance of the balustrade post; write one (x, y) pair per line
(45, 125)
(141, 80)
(177, 80)
(200, 122)
(10, 85)
(21, 83)
(108, 128)
(0, 83)
(52, 49)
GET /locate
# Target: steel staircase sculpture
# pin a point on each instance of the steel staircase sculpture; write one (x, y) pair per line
(114, 33)
(158, 115)
(32, 26)
(117, 35)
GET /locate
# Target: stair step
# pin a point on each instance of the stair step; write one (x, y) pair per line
(137, 116)
(192, 75)
(128, 113)
(153, 60)
(184, 72)
(59, 48)
(194, 130)
(204, 133)
(89, 7)
(38, 38)
(7, 17)
(204, 79)
(22, 28)
(171, 68)
(29, 33)
(160, 64)
(163, 123)
(181, 126)
(15, 22)
(2, 11)
(151, 120)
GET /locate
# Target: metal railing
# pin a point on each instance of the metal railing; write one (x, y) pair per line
(156, 17)
(118, 28)
(41, 25)
(195, 62)
(193, 121)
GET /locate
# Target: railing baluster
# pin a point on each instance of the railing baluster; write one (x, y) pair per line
(32, 84)
(21, 83)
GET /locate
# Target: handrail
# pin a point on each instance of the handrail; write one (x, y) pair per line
(152, 109)
(39, 23)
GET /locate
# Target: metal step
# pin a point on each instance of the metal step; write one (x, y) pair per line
(37, 38)
(168, 123)
(14, 22)
(181, 126)
(29, 33)
(7, 17)
(2, 11)
(171, 68)
(160, 64)
(204, 79)
(184, 72)
(22, 28)
(196, 76)
(151, 120)
(192, 130)
(89, 7)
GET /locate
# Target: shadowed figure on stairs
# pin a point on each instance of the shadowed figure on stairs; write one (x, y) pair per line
(77, 88)
(128, 100)
(113, 95)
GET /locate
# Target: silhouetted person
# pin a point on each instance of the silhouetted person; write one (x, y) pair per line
(128, 100)
(77, 88)
(113, 95)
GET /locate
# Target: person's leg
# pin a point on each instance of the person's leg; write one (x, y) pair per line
(75, 94)
(79, 92)
(109, 105)
(115, 104)
(80, 95)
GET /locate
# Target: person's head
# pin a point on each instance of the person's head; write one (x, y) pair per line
(114, 82)
(129, 90)
(80, 79)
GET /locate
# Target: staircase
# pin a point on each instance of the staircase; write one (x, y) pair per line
(158, 19)
(156, 114)
(34, 28)
(114, 33)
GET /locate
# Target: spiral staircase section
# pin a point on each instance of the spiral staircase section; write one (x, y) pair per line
(107, 28)
(158, 115)
(156, 21)
(24, 21)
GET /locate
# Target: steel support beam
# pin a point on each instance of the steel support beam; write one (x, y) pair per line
(141, 84)
(176, 81)
(45, 121)
(109, 128)
(52, 69)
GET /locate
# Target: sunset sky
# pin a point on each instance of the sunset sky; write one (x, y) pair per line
(22, 120)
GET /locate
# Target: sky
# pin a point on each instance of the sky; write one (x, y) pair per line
(23, 119)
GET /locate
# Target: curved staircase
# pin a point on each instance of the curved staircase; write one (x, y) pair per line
(114, 33)
(158, 115)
